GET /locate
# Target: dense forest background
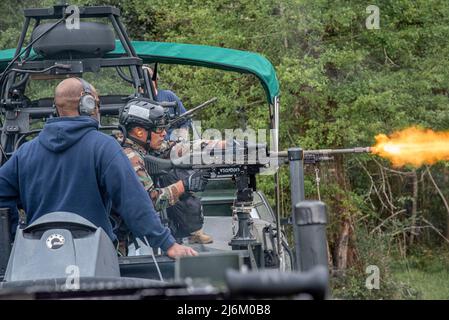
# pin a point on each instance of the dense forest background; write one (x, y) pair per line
(341, 84)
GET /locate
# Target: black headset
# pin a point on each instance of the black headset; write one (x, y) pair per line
(88, 103)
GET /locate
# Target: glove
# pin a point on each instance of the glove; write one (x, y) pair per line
(197, 181)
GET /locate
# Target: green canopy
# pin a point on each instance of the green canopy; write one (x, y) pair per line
(198, 55)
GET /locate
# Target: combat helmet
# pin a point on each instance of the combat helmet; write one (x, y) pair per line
(144, 113)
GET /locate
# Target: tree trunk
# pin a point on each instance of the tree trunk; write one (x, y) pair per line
(414, 207)
(446, 204)
(446, 180)
(343, 246)
(282, 12)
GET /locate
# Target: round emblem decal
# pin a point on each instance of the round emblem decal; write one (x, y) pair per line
(55, 241)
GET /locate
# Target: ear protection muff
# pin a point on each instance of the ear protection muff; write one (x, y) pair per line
(88, 103)
(56, 109)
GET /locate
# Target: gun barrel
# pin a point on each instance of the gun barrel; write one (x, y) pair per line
(190, 112)
(284, 154)
(201, 106)
(340, 151)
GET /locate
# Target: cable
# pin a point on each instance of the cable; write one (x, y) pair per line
(60, 66)
(157, 265)
(289, 252)
(144, 240)
(19, 141)
(21, 82)
(3, 152)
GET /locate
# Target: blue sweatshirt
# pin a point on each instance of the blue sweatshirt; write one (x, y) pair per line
(73, 167)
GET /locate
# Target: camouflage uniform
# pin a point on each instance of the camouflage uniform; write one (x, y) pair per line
(186, 216)
(162, 197)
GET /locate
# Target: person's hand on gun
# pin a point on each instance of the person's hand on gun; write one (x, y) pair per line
(197, 181)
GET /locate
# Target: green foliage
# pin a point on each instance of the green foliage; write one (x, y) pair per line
(424, 272)
(372, 250)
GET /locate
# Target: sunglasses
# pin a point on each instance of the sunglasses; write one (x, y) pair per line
(158, 130)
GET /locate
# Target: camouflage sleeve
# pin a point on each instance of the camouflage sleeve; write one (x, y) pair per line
(161, 197)
(170, 194)
(139, 167)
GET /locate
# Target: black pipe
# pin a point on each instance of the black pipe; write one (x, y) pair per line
(123, 75)
(272, 283)
(121, 36)
(5, 239)
(22, 36)
(44, 112)
(148, 84)
(310, 234)
(126, 37)
(28, 51)
(296, 159)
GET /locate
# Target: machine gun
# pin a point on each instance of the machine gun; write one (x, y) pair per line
(243, 173)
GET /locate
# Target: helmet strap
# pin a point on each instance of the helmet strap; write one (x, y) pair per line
(124, 133)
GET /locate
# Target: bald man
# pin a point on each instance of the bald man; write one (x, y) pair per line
(67, 97)
(73, 167)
